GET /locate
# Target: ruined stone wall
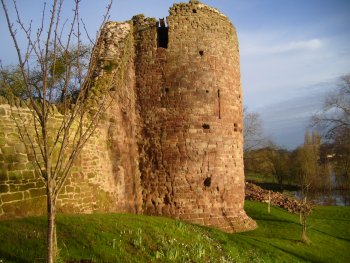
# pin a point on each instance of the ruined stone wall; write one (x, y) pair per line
(105, 177)
(117, 60)
(170, 144)
(190, 96)
(22, 191)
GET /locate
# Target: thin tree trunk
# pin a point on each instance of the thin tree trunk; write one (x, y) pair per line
(51, 228)
(303, 213)
(304, 237)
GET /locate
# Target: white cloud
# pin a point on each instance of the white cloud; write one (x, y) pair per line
(306, 45)
(301, 45)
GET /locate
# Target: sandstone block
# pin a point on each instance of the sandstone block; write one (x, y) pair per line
(10, 197)
(4, 188)
(15, 175)
(7, 150)
(37, 192)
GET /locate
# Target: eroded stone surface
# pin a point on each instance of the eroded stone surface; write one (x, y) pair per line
(190, 99)
(171, 143)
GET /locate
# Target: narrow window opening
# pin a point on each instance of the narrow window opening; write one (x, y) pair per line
(235, 124)
(206, 91)
(206, 126)
(207, 182)
(201, 53)
(194, 11)
(219, 104)
(166, 90)
(166, 200)
(162, 34)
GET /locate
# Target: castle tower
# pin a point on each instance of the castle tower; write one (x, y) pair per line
(189, 91)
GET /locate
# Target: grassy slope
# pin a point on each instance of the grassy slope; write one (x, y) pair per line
(278, 235)
(134, 238)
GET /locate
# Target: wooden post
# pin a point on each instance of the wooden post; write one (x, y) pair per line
(269, 203)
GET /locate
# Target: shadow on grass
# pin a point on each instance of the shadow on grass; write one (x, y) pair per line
(295, 254)
(10, 258)
(275, 253)
(327, 234)
(268, 219)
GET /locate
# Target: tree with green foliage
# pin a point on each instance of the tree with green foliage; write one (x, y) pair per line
(272, 160)
(11, 83)
(280, 163)
(49, 71)
(306, 168)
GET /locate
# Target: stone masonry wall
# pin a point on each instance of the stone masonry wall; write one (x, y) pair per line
(190, 96)
(170, 144)
(105, 177)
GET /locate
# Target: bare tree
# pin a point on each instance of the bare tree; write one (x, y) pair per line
(335, 114)
(48, 52)
(252, 131)
(334, 122)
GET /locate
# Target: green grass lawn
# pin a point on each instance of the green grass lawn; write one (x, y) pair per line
(135, 238)
(260, 178)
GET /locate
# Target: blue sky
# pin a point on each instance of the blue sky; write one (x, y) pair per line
(292, 51)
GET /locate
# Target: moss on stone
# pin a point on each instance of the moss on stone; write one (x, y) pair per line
(20, 158)
(15, 175)
(3, 172)
(25, 187)
(20, 148)
(4, 188)
(104, 201)
(40, 184)
(13, 136)
(8, 150)
(69, 189)
(37, 192)
(2, 141)
(13, 187)
(12, 197)
(28, 174)
(2, 112)
(30, 166)
(34, 206)
(17, 167)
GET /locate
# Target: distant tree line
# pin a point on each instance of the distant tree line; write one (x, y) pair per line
(322, 162)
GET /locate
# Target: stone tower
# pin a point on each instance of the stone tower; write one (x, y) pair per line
(171, 143)
(189, 94)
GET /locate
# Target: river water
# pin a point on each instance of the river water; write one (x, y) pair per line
(334, 197)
